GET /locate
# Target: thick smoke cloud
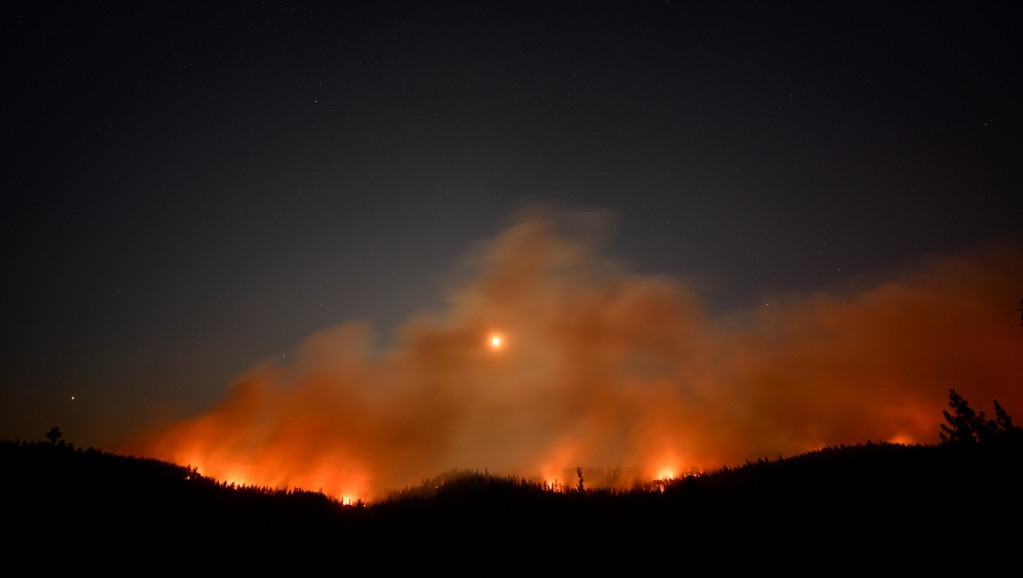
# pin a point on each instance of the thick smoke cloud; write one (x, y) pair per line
(602, 367)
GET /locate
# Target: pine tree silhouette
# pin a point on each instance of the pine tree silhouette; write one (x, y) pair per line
(1003, 419)
(969, 428)
(53, 435)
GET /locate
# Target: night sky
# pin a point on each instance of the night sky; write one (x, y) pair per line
(191, 189)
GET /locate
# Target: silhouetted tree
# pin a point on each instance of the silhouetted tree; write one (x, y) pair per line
(963, 427)
(579, 472)
(53, 435)
(1003, 419)
(967, 427)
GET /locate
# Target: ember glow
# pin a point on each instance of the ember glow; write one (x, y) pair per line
(611, 368)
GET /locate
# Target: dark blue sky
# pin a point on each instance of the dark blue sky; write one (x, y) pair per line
(190, 189)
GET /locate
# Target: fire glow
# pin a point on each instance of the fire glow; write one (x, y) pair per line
(610, 368)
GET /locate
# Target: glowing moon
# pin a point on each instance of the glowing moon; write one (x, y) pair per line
(495, 341)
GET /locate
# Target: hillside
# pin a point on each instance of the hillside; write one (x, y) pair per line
(863, 504)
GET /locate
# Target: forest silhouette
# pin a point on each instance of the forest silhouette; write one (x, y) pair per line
(838, 507)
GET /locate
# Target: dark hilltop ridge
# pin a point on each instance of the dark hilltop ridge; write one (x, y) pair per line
(874, 505)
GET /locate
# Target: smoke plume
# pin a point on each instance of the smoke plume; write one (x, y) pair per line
(597, 366)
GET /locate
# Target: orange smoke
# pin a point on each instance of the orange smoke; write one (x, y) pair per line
(550, 356)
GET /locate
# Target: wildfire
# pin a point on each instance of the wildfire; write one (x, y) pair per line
(666, 474)
(609, 368)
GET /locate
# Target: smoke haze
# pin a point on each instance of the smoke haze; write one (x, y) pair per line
(599, 366)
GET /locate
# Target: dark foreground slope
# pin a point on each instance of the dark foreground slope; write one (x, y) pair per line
(869, 506)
